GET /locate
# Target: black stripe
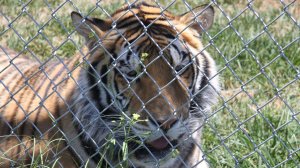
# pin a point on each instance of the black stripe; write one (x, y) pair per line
(44, 96)
(52, 67)
(127, 22)
(7, 130)
(159, 37)
(128, 55)
(60, 125)
(14, 92)
(176, 48)
(115, 84)
(31, 101)
(8, 72)
(193, 79)
(169, 35)
(89, 146)
(108, 100)
(101, 23)
(111, 55)
(102, 72)
(152, 13)
(4, 125)
(184, 54)
(152, 21)
(131, 41)
(141, 45)
(132, 31)
(95, 91)
(134, 23)
(22, 127)
(117, 42)
(4, 80)
(126, 107)
(163, 29)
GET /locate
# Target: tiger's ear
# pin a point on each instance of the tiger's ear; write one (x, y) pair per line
(88, 28)
(203, 15)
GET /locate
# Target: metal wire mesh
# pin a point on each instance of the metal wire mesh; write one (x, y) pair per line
(254, 43)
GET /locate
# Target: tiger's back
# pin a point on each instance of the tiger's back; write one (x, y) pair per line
(30, 103)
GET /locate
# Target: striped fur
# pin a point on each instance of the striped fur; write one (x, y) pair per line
(68, 108)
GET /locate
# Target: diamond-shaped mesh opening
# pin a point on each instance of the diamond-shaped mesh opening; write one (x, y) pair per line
(288, 135)
(24, 26)
(12, 14)
(228, 115)
(282, 24)
(4, 24)
(240, 144)
(14, 41)
(266, 89)
(247, 17)
(270, 46)
(242, 105)
(254, 159)
(245, 63)
(289, 97)
(283, 75)
(148, 97)
(220, 156)
(32, 48)
(282, 154)
(43, 10)
(265, 6)
(219, 41)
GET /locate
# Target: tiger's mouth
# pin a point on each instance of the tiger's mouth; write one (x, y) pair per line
(156, 149)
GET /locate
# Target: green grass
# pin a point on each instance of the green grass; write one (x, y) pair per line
(256, 123)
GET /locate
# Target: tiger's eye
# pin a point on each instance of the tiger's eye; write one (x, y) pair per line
(179, 67)
(132, 73)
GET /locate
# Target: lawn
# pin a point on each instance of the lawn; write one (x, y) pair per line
(255, 45)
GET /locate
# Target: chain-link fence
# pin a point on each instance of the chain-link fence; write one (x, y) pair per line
(140, 93)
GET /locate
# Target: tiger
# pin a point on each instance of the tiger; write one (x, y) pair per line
(141, 63)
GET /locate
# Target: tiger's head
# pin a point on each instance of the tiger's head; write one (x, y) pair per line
(148, 62)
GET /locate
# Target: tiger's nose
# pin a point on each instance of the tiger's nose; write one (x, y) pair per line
(167, 124)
